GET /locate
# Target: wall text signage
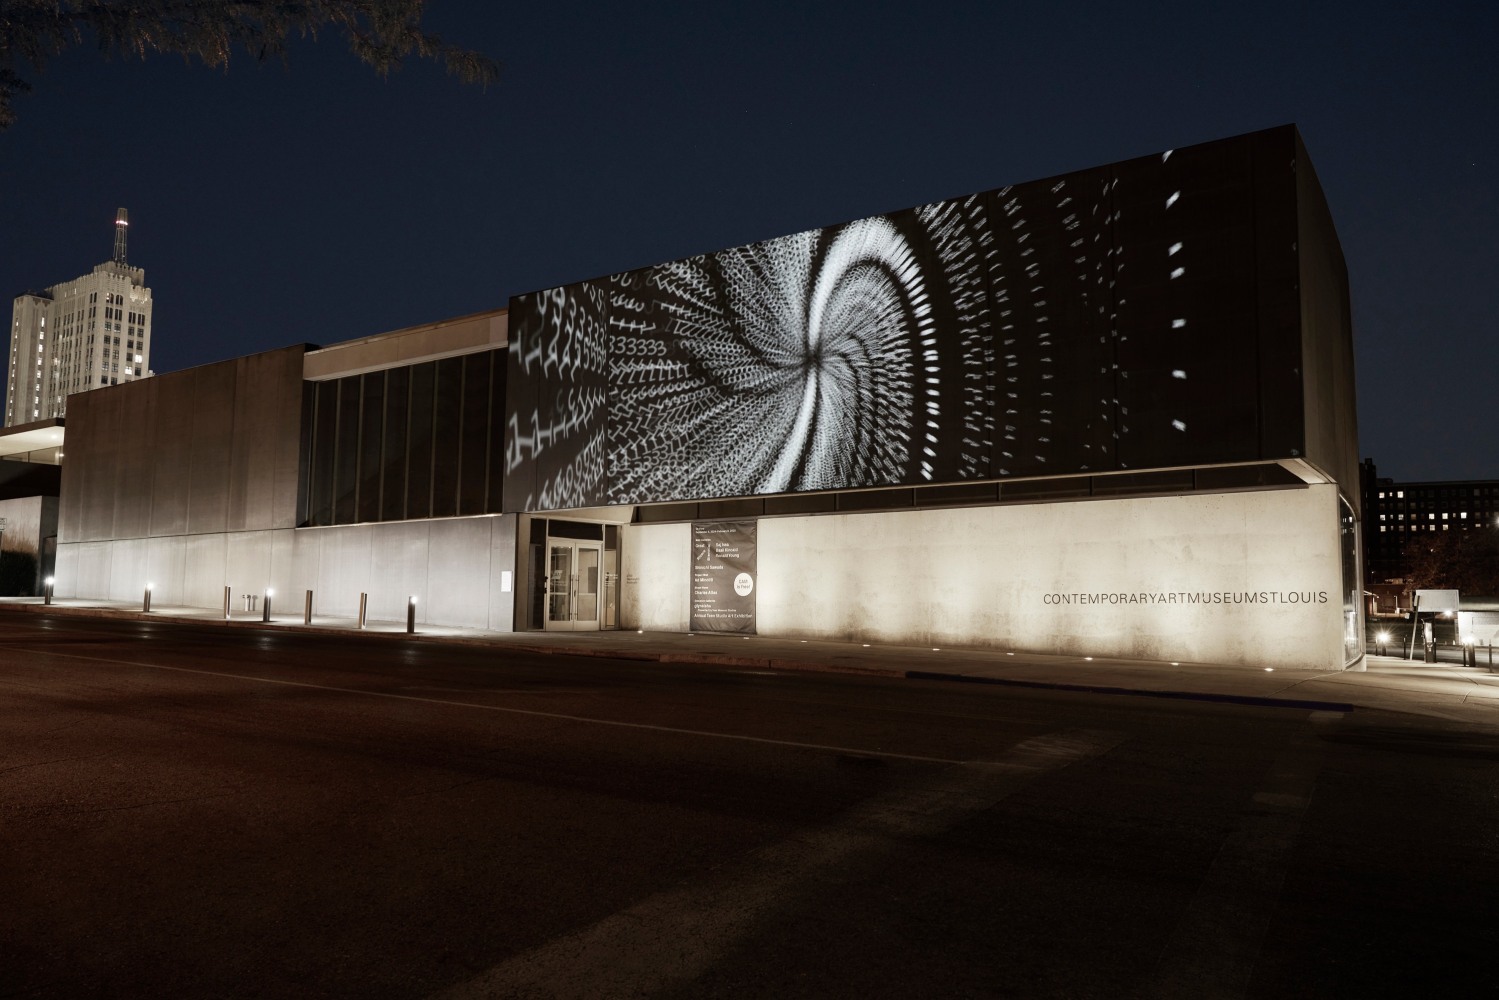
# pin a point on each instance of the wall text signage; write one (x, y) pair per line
(1158, 597)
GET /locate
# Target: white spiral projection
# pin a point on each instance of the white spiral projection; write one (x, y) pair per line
(813, 387)
(874, 353)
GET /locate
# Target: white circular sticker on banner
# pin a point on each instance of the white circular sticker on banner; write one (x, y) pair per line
(743, 584)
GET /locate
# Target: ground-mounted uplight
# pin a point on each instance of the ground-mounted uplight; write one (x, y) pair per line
(411, 614)
(1269, 670)
(47, 589)
(146, 598)
(1088, 658)
(265, 614)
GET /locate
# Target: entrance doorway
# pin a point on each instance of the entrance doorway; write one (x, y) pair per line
(572, 585)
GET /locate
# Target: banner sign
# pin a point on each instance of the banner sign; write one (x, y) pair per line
(723, 576)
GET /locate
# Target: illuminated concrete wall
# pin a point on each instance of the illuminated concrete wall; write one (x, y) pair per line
(655, 589)
(1249, 578)
(453, 565)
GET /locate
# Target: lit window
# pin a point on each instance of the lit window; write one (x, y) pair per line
(1400, 494)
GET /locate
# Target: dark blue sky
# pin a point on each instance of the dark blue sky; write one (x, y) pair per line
(320, 202)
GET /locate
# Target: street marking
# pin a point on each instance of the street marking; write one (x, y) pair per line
(707, 734)
(1215, 946)
(669, 939)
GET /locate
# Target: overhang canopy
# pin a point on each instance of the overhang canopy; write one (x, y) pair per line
(39, 441)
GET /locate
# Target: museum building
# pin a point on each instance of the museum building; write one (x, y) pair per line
(1109, 413)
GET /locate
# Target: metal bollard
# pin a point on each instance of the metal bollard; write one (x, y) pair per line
(363, 604)
(227, 591)
(146, 599)
(307, 609)
(411, 615)
(47, 590)
(266, 616)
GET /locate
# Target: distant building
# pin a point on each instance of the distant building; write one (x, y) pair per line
(1395, 513)
(78, 335)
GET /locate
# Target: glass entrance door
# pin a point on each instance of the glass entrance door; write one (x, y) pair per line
(572, 585)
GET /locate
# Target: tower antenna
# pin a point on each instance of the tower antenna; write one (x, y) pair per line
(122, 227)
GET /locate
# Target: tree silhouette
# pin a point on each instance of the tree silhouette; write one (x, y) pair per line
(380, 32)
(1467, 561)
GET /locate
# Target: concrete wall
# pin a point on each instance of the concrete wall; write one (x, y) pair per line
(992, 576)
(453, 565)
(206, 450)
(655, 580)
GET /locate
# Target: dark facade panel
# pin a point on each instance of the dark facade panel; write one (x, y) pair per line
(1135, 316)
(212, 447)
(407, 442)
(171, 454)
(209, 449)
(267, 404)
(29, 479)
(133, 495)
(97, 430)
(1278, 297)
(1331, 426)
(371, 444)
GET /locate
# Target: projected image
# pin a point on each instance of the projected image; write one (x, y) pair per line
(809, 362)
(1056, 327)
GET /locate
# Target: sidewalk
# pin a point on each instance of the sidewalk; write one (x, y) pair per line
(1442, 691)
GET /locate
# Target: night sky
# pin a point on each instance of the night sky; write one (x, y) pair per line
(319, 202)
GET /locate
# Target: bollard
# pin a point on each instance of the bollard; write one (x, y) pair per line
(227, 590)
(411, 615)
(47, 591)
(266, 615)
(307, 609)
(363, 603)
(146, 599)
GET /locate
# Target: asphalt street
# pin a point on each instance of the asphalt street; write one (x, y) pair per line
(190, 811)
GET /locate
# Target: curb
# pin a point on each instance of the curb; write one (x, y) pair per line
(703, 659)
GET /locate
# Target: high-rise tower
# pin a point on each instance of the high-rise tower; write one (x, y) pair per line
(82, 334)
